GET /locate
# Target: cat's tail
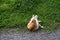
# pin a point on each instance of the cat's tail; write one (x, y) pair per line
(41, 26)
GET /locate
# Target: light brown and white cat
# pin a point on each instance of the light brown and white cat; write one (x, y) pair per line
(34, 23)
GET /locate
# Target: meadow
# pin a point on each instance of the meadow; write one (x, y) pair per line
(17, 13)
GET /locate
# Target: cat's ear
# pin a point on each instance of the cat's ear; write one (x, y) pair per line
(36, 16)
(32, 15)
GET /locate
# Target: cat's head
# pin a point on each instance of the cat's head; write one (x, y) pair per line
(34, 17)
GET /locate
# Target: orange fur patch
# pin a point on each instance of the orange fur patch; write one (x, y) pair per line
(32, 26)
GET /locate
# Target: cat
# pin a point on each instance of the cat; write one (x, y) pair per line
(34, 23)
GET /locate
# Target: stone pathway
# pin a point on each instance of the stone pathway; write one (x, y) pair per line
(39, 35)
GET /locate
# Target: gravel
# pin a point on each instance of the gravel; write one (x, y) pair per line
(38, 35)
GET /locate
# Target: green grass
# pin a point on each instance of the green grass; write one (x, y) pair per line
(17, 13)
